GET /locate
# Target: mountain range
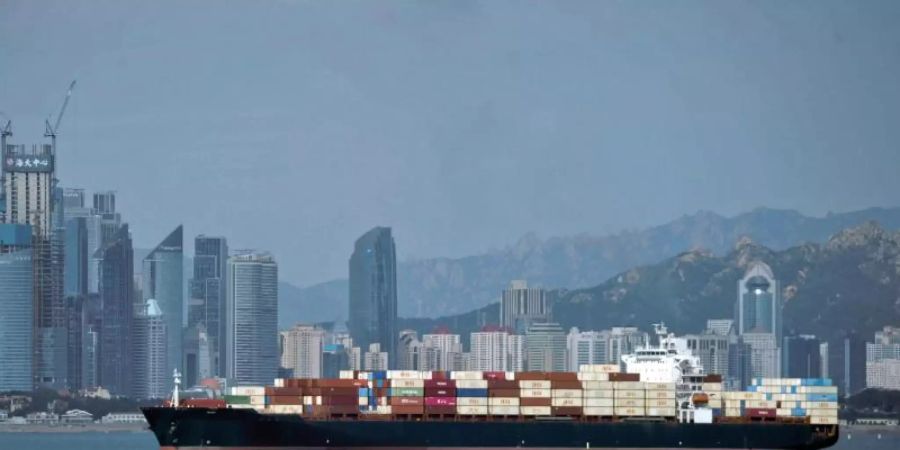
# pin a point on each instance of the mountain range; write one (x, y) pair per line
(459, 287)
(848, 284)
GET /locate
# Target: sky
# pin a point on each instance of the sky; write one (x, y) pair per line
(295, 126)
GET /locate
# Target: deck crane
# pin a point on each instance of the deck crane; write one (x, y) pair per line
(50, 131)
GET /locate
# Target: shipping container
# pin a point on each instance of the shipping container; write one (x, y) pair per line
(503, 410)
(472, 384)
(440, 401)
(503, 401)
(285, 409)
(629, 411)
(535, 401)
(619, 376)
(664, 394)
(407, 392)
(472, 410)
(540, 393)
(532, 376)
(759, 412)
(567, 401)
(631, 402)
(598, 393)
(432, 383)
(599, 368)
(823, 420)
(404, 383)
(593, 376)
(567, 411)
(440, 409)
(407, 409)
(471, 401)
(630, 393)
(470, 392)
(660, 403)
(592, 402)
(467, 375)
(654, 386)
(502, 384)
(440, 392)
(628, 385)
(210, 403)
(597, 385)
(534, 384)
(503, 392)
(670, 411)
(605, 411)
(407, 401)
(534, 410)
(568, 393)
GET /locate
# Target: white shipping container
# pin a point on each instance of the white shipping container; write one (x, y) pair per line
(599, 393)
(598, 368)
(629, 411)
(566, 401)
(472, 401)
(634, 402)
(784, 412)
(503, 401)
(741, 395)
(362, 401)
(712, 387)
(630, 393)
(472, 410)
(653, 386)
(822, 412)
(593, 376)
(467, 375)
(535, 393)
(661, 394)
(346, 375)
(599, 411)
(597, 385)
(471, 384)
(590, 402)
(404, 375)
(819, 405)
(534, 384)
(628, 385)
(766, 404)
(567, 393)
(732, 412)
(789, 397)
(285, 409)
(823, 420)
(662, 412)
(535, 410)
(257, 399)
(407, 383)
(817, 390)
(660, 403)
(715, 404)
(279, 382)
(503, 410)
(248, 390)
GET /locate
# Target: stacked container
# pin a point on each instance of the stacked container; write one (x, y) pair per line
(815, 398)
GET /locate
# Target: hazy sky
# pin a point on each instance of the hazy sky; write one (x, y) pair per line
(295, 126)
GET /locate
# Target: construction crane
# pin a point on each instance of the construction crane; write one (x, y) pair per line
(50, 131)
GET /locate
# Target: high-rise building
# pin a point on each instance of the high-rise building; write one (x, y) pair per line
(302, 350)
(207, 288)
(446, 349)
(586, 347)
(520, 306)
(883, 359)
(149, 359)
(758, 308)
(765, 359)
(624, 341)
(496, 350)
(116, 298)
(32, 198)
(740, 367)
(373, 291)
(409, 351)
(198, 357)
(711, 347)
(375, 358)
(251, 335)
(847, 363)
(88, 239)
(163, 281)
(545, 347)
(801, 357)
(16, 307)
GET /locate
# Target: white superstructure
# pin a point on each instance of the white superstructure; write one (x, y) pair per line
(668, 362)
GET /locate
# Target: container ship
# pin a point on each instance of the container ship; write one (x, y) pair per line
(660, 400)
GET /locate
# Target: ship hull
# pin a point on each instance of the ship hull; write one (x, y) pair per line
(246, 429)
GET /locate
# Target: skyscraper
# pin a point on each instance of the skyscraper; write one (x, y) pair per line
(207, 288)
(496, 350)
(31, 198)
(521, 306)
(252, 318)
(163, 281)
(801, 357)
(446, 349)
(712, 349)
(116, 285)
(302, 348)
(758, 308)
(586, 347)
(624, 341)
(373, 291)
(16, 307)
(149, 360)
(545, 347)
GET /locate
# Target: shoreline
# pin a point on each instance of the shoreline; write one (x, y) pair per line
(79, 428)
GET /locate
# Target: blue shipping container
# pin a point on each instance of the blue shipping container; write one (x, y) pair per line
(821, 397)
(471, 392)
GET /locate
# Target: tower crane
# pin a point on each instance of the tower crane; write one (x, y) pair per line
(50, 131)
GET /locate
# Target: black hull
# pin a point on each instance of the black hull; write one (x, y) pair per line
(242, 428)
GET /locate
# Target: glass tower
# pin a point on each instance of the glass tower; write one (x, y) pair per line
(252, 319)
(373, 291)
(16, 307)
(163, 281)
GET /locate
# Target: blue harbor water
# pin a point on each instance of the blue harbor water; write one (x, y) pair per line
(852, 438)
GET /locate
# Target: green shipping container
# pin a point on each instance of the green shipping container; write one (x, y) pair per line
(237, 399)
(407, 392)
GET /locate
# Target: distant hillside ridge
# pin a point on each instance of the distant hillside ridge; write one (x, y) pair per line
(448, 286)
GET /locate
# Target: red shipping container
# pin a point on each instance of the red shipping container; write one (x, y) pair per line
(338, 409)
(440, 384)
(284, 391)
(503, 392)
(532, 376)
(407, 409)
(340, 391)
(567, 411)
(283, 400)
(759, 412)
(494, 375)
(562, 376)
(619, 376)
(531, 401)
(712, 378)
(335, 400)
(565, 384)
(439, 375)
(440, 410)
(440, 392)
(503, 384)
(440, 401)
(209, 403)
(407, 401)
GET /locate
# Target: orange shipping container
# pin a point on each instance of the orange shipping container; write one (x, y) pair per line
(503, 392)
(533, 401)
(407, 401)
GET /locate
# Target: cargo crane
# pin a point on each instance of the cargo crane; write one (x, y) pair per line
(50, 131)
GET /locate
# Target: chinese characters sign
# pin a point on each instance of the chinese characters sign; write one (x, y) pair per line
(27, 163)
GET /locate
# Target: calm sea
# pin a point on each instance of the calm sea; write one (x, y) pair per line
(856, 439)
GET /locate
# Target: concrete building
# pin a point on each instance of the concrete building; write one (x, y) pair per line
(883, 359)
(375, 358)
(373, 291)
(409, 351)
(545, 347)
(586, 347)
(624, 341)
(883, 374)
(163, 281)
(207, 295)
(335, 358)
(16, 307)
(712, 349)
(302, 350)
(252, 318)
(847, 363)
(520, 306)
(151, 378)
(765, 360)
(116, 297)
(447, 350)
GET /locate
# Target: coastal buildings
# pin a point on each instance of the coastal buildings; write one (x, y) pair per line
(520, 306)
(883, 359)
(801, 357)
(496, 350)
(586, 347)
(545, 347)
(149, 360)
(163, 281)
(116, 298)
(206, 307)
(16, 303)
(758, 312)
(302, 351)
(375, 358)
(373, 291)
(251, 334)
